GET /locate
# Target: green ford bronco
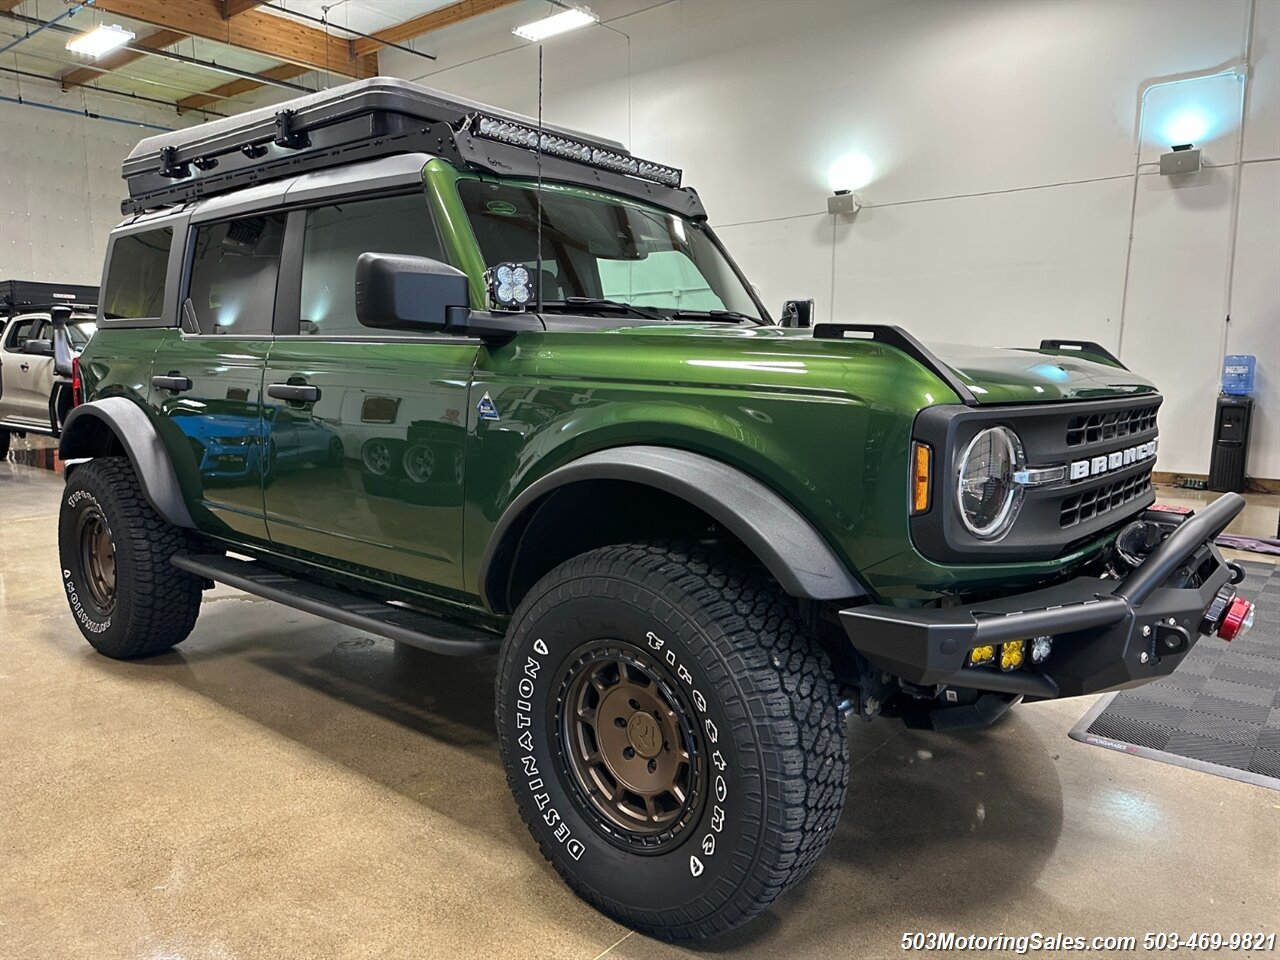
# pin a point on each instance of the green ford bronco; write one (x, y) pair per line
(482, 385)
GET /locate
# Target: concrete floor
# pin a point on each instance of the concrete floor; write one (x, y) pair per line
(281, 786)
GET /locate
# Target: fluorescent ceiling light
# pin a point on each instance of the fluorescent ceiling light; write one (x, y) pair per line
(102, 39)
(570, 19)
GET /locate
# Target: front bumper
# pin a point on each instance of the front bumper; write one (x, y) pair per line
(1107, 634)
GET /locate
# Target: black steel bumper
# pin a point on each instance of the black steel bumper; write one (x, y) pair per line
(1107, 634)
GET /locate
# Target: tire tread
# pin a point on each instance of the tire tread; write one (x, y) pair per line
(787, 685)
(163, 605)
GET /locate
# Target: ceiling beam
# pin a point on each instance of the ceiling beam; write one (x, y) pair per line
(198, 101)
(365, 49)
(435, 20)
(233, 8)
(87, 74)
(262, 33)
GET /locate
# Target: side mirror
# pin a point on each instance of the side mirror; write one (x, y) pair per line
(62, 352)
(38, 348)
(409, 293)
(797, 313)
(418, 293)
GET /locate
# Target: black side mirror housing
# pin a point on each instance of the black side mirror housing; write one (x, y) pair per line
(61, 352)
(418, 293)
(797, 313)
(400, 292)
(38, 348)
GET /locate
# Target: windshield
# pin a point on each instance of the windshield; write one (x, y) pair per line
(599, 247)
(79, 331)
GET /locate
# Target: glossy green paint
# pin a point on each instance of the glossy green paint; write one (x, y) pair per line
(371, 474)
(824, 423)
(1028, 376)
(441, 182)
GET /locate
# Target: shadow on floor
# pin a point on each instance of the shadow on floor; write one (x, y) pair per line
(984, 807)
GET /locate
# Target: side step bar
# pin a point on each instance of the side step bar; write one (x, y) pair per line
(403, 624)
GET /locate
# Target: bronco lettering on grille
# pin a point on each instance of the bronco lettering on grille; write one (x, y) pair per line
(1104, 463)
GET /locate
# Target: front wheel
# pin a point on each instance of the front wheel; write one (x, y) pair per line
(672, 736)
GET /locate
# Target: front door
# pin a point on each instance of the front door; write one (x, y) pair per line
(210, 384)
(365, 428)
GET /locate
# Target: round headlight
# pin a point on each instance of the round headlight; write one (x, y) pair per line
(988, 494)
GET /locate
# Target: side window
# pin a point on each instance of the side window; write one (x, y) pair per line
(135, 277)
(234, 268)
(19, 333)
(335, 237)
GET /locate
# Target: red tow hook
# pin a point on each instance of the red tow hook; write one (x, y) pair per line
(1237, 619)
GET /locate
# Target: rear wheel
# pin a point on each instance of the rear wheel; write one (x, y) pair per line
(672, 736)
(419, 462)
(379, 457)
(4, 444)
(126, 598)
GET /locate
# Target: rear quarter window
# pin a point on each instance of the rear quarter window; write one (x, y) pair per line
(135, 285)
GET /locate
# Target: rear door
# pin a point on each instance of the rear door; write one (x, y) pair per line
(207, 379)
(25, 372)
(367, 427)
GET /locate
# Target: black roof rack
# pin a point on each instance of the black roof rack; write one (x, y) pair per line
(19, 296)
(379, 117)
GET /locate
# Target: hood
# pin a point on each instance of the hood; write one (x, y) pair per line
(1000, 375)
(794, 357)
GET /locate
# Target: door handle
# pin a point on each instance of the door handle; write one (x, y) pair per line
(24, 366)
(294, 392)
(172, 382)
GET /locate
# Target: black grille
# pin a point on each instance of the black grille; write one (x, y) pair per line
(1110, 425)
(1093, 503)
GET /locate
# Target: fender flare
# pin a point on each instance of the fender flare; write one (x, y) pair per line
(82, 438)
(797, 556)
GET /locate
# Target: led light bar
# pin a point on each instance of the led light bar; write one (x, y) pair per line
(553, 144)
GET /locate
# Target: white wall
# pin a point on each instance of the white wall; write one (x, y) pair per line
(60, 186)
(1004, 137)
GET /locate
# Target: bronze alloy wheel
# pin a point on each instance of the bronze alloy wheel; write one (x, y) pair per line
(631, 746)
(98, 559)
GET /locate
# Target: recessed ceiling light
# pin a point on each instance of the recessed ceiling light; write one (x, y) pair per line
(102, 39)
(570, 19)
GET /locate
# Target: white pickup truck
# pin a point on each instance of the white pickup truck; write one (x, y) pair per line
(40, 324)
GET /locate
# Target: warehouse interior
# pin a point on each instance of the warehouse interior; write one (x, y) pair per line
(1002, 173)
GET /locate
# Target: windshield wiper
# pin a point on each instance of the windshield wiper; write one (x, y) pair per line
(601, 303)
(721, 316)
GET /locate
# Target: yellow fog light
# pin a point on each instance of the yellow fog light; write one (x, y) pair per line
(1012, 654)
(982, 655)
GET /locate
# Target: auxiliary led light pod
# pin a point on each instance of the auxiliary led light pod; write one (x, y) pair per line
(509, 287)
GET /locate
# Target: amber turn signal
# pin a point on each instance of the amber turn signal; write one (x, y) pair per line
(921, 461)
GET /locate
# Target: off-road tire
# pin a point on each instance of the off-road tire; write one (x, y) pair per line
(155, 604)
(725, 641)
